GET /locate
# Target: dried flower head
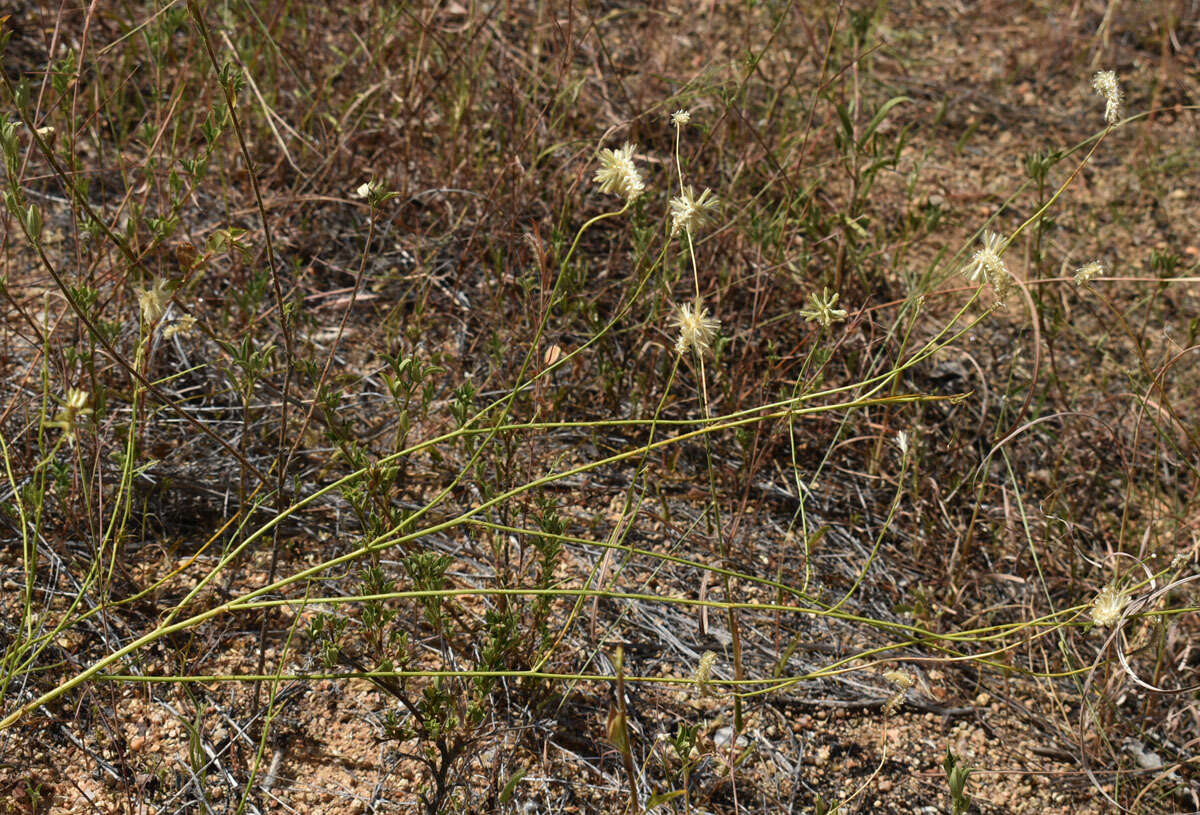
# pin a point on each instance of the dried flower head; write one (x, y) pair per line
(76, 406)
(986, 262)
(1105, 83)
(821, 309)
(183, 326)
(689, 213)
(617, 173)
(903, 680)
(696, 328)
(1108, 605)
(153, 302)
(681, 117)
(1181, 557)
(1084, 274)
(987, 266)
(617, 729)
(704, 672)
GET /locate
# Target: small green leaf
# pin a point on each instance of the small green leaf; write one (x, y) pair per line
(660, 798)
(511, 785)
(847, 125)
(879, 116)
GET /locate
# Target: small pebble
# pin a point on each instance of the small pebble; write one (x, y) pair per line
(725, 735)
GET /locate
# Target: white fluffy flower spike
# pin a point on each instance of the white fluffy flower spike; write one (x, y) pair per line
(153, 301)
(697, 328)
(1108, 605)
(690, 213)
(618, 175)
(1105, 83)
(987, 266)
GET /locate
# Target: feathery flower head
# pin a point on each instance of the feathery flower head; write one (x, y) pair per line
(986, 263)
(681, 117)
(1105, 83)
(183, 326)
(617, 173)
(987, 266)
(153, 302)
(697, 328)
(689, 213)
(76, 406)
(1181, 557)
(704, 672)
(1108, 605)
(1084, 274)
(821, 309)
(903, 680)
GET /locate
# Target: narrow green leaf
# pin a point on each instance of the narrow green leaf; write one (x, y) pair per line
(510, 785)
(880, 115)
(660, 798)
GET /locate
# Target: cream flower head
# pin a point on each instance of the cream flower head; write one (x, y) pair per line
(153, 302)
(821, 309)
(986, 262)
(903, 680)
(1105, 83)
(183, 327)
(696, 328)
(681, 117)
(76, 406)
(689, 213)
(617, 173)
(1084, 274)
(987, 266)
(704, 672)
(1108, 605)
